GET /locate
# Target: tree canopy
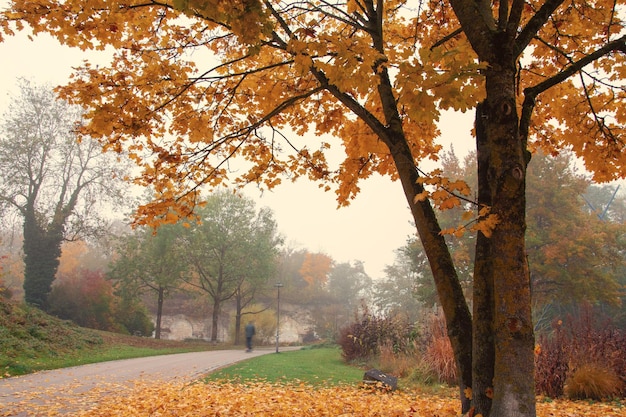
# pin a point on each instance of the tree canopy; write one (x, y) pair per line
(231, 251)
(150, 261)
(196, 83)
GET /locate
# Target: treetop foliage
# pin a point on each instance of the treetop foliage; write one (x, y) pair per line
(194, 83)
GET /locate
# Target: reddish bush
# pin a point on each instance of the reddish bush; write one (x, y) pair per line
(551, 366)
(586, 340)
(364, 337)
(85, 298)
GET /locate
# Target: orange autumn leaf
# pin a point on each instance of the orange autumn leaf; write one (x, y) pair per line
(264, 400)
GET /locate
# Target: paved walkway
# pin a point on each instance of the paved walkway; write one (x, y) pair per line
(65, 390)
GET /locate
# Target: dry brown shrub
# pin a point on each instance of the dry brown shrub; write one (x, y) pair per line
(400, 364)
(439, 354)
(592, 381)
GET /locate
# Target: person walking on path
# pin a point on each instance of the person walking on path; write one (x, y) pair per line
(250, 332)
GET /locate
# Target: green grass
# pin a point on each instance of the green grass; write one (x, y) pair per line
(21, 365)
(318, 366)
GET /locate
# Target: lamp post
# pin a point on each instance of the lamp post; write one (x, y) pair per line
(277, 285)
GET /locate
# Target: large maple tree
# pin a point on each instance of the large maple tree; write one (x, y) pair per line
(196, 83)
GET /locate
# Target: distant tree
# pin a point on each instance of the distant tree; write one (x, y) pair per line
(349, 284)
(333, 304)
(262, 264)
(397, 292)
(54, 178)
(574, 256)
(315, 270)
(150, 261)
(227, 248)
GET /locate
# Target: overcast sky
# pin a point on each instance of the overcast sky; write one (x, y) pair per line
(369, 230)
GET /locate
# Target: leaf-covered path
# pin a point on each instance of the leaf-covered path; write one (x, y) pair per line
(80, 388)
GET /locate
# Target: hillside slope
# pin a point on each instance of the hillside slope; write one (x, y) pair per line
(31, 340)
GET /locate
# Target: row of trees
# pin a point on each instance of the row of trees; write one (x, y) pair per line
(572, 250)
(230, 252)
(56, 180)
(576, 246)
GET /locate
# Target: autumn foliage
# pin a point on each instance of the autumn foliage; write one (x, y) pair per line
(194, 84)
(87, 298)
(263, 399)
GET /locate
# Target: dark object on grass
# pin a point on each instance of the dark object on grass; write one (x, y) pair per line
(374, 377)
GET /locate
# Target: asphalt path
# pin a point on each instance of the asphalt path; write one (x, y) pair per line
(65, 391)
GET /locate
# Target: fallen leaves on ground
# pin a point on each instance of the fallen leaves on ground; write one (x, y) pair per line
(264, 399)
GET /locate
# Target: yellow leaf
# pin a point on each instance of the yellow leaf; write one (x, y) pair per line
(421, 196)
(467, 215)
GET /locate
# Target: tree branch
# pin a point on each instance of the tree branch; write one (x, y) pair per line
(535, 24)
(531, 93)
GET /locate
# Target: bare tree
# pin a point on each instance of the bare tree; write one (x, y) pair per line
(54, 177)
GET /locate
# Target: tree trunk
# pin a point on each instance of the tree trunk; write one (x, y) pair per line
(454, 305)
(482, 329)
(503, 280)
(157, 331)
(42, 250)
(238, 320)
(215, 318)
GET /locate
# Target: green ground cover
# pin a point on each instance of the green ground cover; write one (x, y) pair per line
(312, 366)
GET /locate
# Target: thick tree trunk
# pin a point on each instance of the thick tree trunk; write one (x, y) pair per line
(501, 262)
(160, 297)
(42, 250)
(483, 303)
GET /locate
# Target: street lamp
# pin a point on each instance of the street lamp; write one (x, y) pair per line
(277, 285)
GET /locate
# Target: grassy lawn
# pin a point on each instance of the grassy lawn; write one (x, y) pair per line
(314, 366)
(23, 364)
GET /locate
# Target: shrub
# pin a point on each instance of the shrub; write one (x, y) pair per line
(400, 364)
(422, 372)
(592, 381)
(439, 354)
(363, 338)
(133, 318)
(587, 337)
(551, 363)
(85, 298)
